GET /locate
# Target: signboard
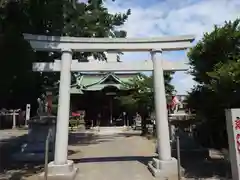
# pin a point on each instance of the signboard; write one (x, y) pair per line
(28, 109)
(233, 130)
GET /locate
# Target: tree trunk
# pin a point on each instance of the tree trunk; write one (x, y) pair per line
(144, 127)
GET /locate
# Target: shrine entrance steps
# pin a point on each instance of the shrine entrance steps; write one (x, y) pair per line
(111, 130)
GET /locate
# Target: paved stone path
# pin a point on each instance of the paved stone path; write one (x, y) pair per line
(110, 157)
(114, 157)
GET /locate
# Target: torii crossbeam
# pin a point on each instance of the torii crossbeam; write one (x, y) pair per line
(109, 67)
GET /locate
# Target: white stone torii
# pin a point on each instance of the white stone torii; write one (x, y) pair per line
(164, 165)
(57, 43)
(111, 66)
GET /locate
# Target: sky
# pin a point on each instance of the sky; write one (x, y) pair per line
(156, 18)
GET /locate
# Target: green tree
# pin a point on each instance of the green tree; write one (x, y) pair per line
(215, 62)
(46, 17)
(143, 94)
(142, 97)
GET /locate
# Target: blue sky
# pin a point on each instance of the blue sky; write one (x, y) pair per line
(156, 18)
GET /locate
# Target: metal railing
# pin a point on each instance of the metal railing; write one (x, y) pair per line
(46, 153)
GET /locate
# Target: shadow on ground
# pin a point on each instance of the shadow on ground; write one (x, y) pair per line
(11, 169)
(194, 159)
(85, 139)
(142, 159)
(7, 147)
(197, 162)
(198, 166)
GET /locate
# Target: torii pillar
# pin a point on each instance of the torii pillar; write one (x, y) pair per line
(164, 166)
(61, 167)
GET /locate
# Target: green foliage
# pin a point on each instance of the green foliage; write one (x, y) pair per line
(54, 109)
(142, 98)
(215, 62)
(73, 122)
(46, 17)
(216, 48)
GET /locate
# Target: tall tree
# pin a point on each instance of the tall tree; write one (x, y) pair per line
(142, 97)
(216, 61)
(144, 90)
(46, 17)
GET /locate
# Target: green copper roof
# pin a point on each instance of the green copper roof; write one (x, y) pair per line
(98, 81)
(91, 79)
(98, 87)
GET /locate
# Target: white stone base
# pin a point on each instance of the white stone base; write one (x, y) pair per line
(60, 172)
(164, 169)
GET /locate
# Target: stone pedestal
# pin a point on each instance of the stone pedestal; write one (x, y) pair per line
(164, 169)
(60, 172)
(34, 147)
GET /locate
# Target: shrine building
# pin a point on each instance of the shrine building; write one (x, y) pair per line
(96, 94)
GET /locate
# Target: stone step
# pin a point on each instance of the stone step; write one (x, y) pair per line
(110, 130)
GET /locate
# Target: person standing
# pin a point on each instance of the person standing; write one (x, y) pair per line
(99, 121)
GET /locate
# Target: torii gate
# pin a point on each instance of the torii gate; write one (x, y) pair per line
(164, 165)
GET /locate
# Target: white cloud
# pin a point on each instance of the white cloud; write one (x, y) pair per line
(172, 17)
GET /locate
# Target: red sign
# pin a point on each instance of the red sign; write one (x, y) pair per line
(238, 142)
(237, 127)
(237, 124)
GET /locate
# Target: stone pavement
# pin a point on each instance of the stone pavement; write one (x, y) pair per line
(108, 157)
(114, 157)
(123, 156)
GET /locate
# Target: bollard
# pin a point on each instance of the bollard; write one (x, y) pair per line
(46, 154)
(179, 158)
